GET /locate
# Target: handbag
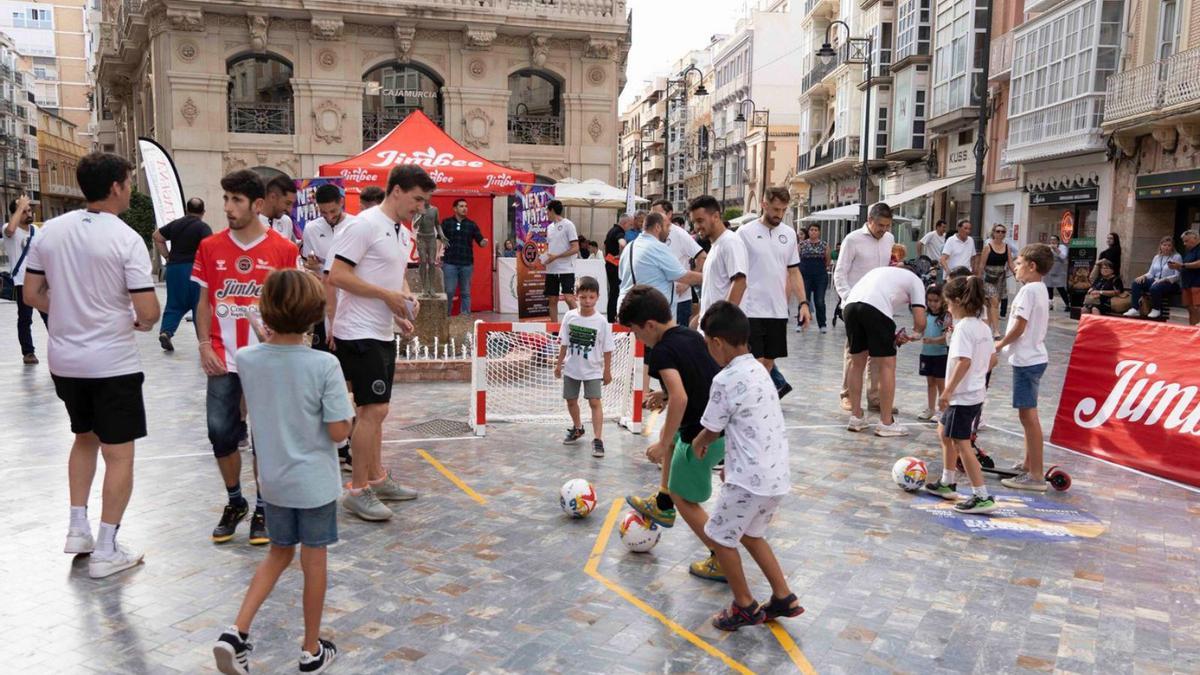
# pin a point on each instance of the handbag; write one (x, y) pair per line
(1121, 302)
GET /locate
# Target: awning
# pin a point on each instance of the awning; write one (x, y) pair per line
(847, 212)
(923, 190)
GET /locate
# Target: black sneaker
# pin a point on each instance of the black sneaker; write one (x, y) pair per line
(344, 459)
(977, 504)
(573, 435)
(164, 341)
(316, 663)
(597, 447)
(258, 528)
(232, 652)
(230, 518)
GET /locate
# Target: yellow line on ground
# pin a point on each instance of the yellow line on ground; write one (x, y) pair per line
(451, 477)
(793, 650)
(592, 568)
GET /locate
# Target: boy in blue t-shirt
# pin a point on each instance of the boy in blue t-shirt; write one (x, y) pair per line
(298, 397)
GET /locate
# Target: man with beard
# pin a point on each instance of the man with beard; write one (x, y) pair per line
(725, 266)
(277, 206)
(18, 236)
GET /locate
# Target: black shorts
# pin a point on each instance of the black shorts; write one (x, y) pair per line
(768, 338)
(110, 407)
(868, 330)
(369, 366)
(960, 421)
(933, 366)
(319, 341)
(559, 284)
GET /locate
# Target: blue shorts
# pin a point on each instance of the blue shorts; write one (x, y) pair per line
(1025, 385)
(316, 527)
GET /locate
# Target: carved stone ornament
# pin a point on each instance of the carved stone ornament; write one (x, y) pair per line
(558, 172)
(185, 18)
(600, 49)
(477, 69)
(1126, 142)
(595, 129)
(258, 24)
(1166, 136)
(189, 111)
(477, 128)
(327, 122)
(405, 34)
(1190, 133)
(261, 156)
(327, 28)
(288, 166)
(187, 51)
(596, 76)
(475, 37)
(231, 163)
(539, 50)
(328, 59)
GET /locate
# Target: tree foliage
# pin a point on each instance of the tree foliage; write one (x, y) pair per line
(731, 213)
(140, 216)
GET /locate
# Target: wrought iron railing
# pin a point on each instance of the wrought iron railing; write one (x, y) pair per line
(376, 125)
(1182, 85)
(1134, 91)
(261, 118)
(1002, 55)
(818, 73)
(535, 130)
(838, 148)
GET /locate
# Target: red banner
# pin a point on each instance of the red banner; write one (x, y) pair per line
(1132, 396)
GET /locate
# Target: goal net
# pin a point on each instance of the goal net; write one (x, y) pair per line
(512, 375)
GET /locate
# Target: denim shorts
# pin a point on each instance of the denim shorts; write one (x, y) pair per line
(1025, 385)
(223, 403)
(316, 527)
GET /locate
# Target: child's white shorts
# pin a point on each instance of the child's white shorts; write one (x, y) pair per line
(739, 512)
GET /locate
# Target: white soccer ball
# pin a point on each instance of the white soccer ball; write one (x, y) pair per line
(639, 533)
(910, 473)
(577, 498)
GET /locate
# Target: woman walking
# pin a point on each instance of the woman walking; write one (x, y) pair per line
(993, 267)
(814, 267)
(1057, 279)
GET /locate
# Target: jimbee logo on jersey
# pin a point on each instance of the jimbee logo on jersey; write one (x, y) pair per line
(244, 264)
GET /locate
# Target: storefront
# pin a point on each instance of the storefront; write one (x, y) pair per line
(1182, 187)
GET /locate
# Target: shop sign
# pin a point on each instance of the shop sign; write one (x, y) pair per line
(960, 157)
(1066, 227)
(1170, 185)
(1064, 197)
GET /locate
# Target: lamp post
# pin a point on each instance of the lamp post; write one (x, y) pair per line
(858, 51)
(700, 91)
(981, 147)
(766, 113)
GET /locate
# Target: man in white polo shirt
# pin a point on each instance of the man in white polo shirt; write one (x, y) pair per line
(91, 273)
(725, 267)
(861, 251)
(562, 247)
(773, 274)
(958, 250)
(277, 206)
(369, 264)
(687, 252)
(318, 240)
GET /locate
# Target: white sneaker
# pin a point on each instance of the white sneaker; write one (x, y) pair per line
(926, 415)
(823, 330)
(799, 328)
(79, 541)
(1025, 482)
(121, 559)
(1154, 314)
(1133, 313)
(366, 505)
(890, 430)
(856, 424)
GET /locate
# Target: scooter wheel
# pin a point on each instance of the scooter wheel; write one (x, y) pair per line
(985, 460)
(1059, 480)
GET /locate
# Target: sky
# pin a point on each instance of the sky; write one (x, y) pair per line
(664, 30)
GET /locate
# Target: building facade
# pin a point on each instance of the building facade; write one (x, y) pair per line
(690, 107)
(226, 85)
(641, 157)
(18, 129)
(59, 151)
(1004, 199)
(56, 46)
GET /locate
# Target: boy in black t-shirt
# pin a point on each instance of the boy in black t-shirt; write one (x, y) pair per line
(681, 363)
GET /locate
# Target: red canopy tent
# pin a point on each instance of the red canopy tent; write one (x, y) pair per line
(457, 171)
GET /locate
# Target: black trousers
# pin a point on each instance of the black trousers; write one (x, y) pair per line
(25, 322)
(614, 288)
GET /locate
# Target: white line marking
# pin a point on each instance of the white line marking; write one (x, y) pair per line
(843, 426)
(434, 439)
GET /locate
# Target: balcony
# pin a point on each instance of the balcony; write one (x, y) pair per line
(1134, 92)
(1065, 128)
(652, 187)
(1001, 57)
(535, 129)
(376, 125)
(261, 118)
(814, 77)
(840, 153)
(654, 163)
(1182, 87)
(819, 8)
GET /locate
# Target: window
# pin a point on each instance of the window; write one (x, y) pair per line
(1168, 28)
(958, 75)
(394, 91)
(32, 18)
(260, 95)
(534, 109)
(912, 29)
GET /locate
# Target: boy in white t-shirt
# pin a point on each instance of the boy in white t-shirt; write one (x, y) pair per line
(587, 336)
(972, 354)
(1026, 346)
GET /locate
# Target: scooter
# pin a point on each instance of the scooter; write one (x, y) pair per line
(1058, 478)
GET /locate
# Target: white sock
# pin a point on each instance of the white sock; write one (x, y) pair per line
(949, 477)
(107, 540)
(79, 519)
(979, 491)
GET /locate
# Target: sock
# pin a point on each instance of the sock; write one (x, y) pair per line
(258, 503)
(980, 491)
(664, 501)
(949, 477)
(235, 494)
(79, 520)
(107, 541)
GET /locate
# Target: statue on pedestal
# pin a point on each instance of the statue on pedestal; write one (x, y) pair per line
(428, 228)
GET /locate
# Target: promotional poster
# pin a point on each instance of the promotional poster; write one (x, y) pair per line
(305, 208)
(532, 218)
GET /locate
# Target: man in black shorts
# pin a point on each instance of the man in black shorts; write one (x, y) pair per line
(97, 270)
(369, 262)
(562, 247)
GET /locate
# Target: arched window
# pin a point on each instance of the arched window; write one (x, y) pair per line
(535, 115)
(393, 91)
(260, 95)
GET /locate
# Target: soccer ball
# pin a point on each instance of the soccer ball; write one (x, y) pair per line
(577, 498)
(909, 473)
(638, 533)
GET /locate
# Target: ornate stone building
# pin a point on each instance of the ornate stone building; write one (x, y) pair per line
(281, 85)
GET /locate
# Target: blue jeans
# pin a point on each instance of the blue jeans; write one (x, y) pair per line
(683, 313)
(777, 378)
(25, 321)
(457, 278)
(816, 284)
(1025, 385)
(1156, 291)
(182, 296)
(223, 403)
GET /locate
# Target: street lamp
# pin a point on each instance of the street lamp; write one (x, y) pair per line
(766, 113)
(858, 51)
(981, 147)
(700, 91)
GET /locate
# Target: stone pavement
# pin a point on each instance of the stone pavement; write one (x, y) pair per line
(451, 585)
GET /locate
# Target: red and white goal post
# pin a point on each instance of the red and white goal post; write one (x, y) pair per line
(512, 376)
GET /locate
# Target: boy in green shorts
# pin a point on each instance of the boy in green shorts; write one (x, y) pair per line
(678, 357)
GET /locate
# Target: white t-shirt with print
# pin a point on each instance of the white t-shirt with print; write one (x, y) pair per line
(889, 289)
(971, 339)
(587, 339)
(769, 254)
(958, 252)
(743, 403)
(726, 261)
(92, 263)
(559, 237)
(685, 249)
(1032, 304)
(378, 249)
(13, 246)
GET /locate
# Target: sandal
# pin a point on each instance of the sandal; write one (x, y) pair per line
(785, 608)
(735, 617)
